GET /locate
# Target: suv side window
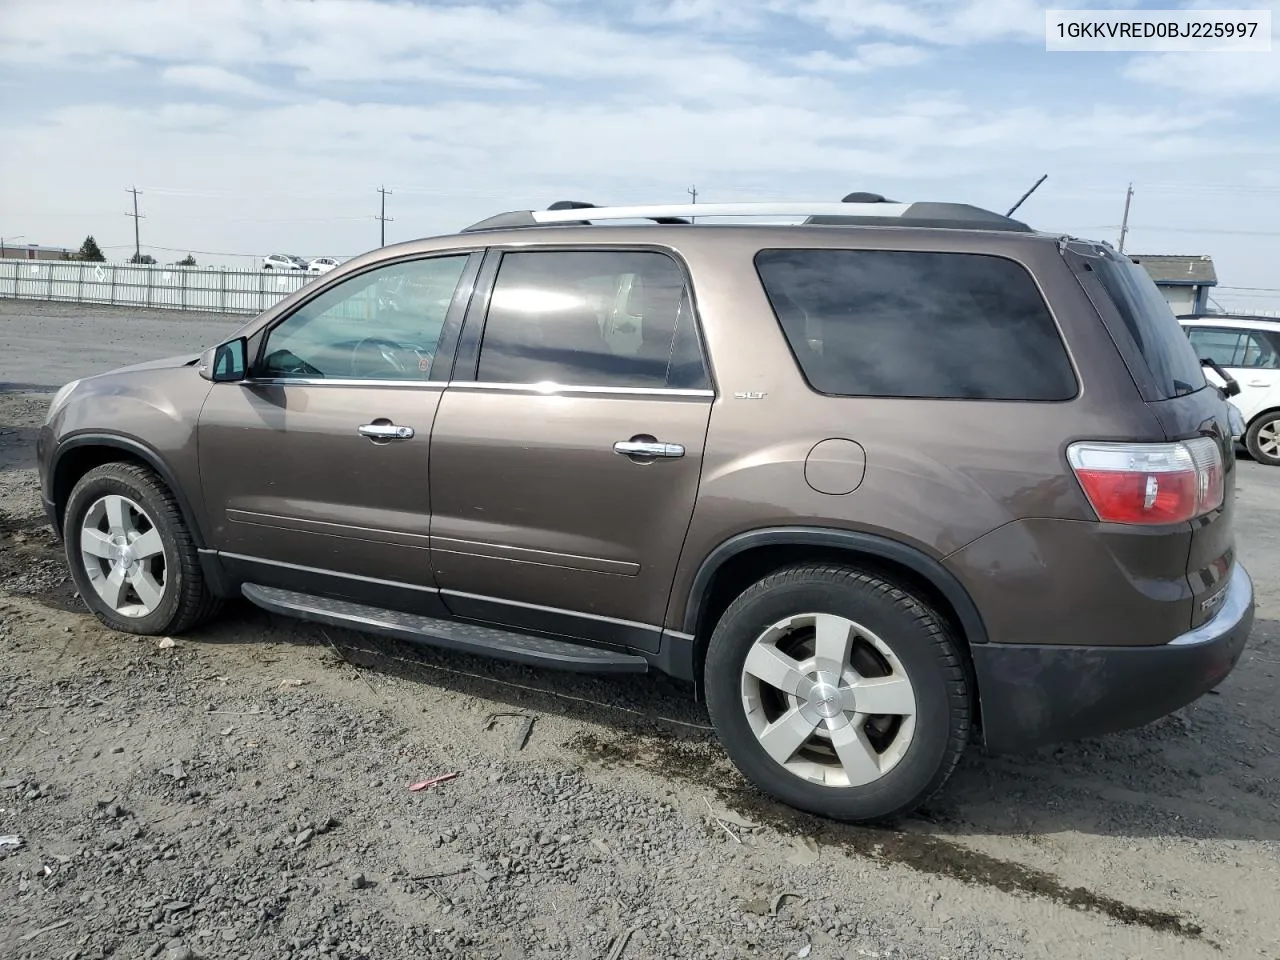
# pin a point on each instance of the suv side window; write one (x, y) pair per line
(882, 323)
(1230, 347)
(384, 324)
(595, 318)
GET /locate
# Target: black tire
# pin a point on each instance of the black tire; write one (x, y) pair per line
(917, 636)
(1253, 439)
(186, 600)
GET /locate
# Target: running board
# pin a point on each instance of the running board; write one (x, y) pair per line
(450, 634)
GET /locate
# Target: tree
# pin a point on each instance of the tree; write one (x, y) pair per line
(89, 250)
(187, 261)
(142, 258)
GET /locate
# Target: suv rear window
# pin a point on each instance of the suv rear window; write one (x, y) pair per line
(1170, 357)
(880, 323)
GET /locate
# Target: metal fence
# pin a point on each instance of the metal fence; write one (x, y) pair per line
(145, 285)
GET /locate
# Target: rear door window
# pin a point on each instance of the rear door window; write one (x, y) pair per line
(1150, 322)
(1230, 347)
(598, 318)
(880, 323)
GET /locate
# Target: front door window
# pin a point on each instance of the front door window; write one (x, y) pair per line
(384, 324)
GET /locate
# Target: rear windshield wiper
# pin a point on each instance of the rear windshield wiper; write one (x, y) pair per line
(1232, 386)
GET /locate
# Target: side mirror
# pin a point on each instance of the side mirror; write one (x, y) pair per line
(225, 363)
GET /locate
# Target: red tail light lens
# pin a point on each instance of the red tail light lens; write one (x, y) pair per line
(1150, 483)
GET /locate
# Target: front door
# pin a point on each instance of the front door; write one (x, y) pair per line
(566, 454)
(319, 462)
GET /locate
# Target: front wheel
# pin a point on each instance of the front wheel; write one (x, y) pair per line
(838, 692)
(1263, 439)
(131, 555)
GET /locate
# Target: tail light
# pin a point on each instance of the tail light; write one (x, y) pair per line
(1150, 483)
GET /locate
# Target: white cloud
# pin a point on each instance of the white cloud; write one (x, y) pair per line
(1210, 75)
(942, 22)
(343, 41)
(866, 58)
(219, 80)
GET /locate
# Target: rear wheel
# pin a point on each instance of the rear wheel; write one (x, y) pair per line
(131, 555)
(838, 692)
(1263, 439)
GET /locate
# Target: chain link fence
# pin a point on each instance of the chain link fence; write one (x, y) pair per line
(147, 285)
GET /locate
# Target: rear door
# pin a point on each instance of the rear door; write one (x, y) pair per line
(1251, 356)
(567, 449)
(1170, 378)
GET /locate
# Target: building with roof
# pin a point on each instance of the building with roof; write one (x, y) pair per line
(33, 251)
(1184, 281)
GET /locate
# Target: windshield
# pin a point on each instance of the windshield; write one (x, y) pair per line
(1148, 318)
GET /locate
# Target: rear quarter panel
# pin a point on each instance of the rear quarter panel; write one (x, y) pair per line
(940, 474)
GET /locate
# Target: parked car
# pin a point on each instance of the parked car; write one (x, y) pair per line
(1247, 348)
(877, 484)
(322, 264)
(283, 261)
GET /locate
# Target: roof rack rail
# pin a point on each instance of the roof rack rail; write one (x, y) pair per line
(855, 209)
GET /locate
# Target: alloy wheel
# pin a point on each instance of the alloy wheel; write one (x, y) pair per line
(828, 700)
(1269, 438)
(124, 556)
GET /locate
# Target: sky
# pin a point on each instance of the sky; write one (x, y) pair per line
(256, 126)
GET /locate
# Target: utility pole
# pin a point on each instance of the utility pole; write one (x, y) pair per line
(692, 191)
(137, 246)
(383, 216)
(1124, 224)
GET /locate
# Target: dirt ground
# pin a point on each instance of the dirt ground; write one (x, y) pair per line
(244, 793)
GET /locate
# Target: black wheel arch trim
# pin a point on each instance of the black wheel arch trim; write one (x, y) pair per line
(869, 544)
(138, 449)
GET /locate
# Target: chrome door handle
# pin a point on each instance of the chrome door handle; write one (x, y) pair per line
(385, 430)
(648, 448)
(1259, 383)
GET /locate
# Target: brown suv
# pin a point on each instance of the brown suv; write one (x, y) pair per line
(877, 483)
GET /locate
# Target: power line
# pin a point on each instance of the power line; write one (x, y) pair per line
(137, 244)
(1233, 233)
(383, 216)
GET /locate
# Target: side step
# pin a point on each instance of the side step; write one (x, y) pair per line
(467, 637)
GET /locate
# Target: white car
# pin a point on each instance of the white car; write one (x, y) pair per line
(283, 261)
(1247, 348)
(322, 264)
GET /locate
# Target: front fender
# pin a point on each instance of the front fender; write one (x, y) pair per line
(147, 415)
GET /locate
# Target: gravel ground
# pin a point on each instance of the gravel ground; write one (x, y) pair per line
(244, 792)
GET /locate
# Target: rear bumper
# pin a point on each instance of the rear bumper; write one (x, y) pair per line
(1037, 694)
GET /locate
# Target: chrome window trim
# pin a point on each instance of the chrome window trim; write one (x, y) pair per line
(341, 382)
(554, 389)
